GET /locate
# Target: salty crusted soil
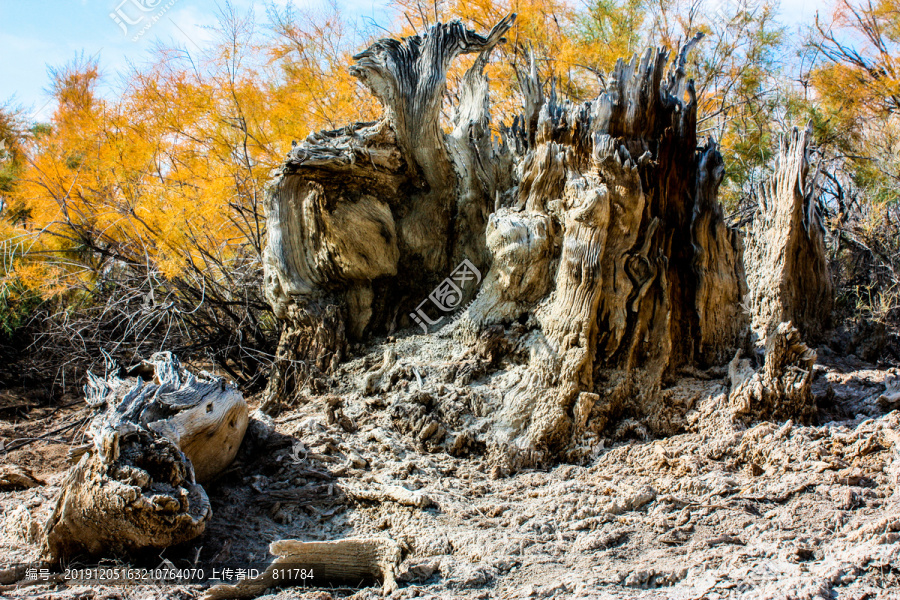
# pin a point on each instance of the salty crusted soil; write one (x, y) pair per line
(775, 510)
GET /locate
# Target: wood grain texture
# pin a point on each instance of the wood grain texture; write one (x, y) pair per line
(616, 254)
(787, 269)
(781, 389)
(365, 220)
(608, 265)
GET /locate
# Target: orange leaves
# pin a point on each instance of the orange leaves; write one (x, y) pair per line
(857, 88)
(311, 87)
(862, 51)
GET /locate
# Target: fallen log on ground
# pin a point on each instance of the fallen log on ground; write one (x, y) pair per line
(159, 432)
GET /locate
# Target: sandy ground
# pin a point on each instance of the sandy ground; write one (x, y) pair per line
(774, 510)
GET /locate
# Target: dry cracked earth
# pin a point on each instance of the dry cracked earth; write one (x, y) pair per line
(722, 510)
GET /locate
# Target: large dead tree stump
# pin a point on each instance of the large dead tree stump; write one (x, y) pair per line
(591, 232)
(787, 269)
(161, 430)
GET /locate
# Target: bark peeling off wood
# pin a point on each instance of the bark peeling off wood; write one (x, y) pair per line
(160, 431)
(348, 561)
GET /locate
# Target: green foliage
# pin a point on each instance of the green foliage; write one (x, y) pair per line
(615, 22)
(12, 138)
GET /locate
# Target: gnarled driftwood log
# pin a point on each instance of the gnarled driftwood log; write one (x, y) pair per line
(135, 486)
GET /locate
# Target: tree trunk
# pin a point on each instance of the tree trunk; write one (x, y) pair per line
(616, 254)
(135, 485)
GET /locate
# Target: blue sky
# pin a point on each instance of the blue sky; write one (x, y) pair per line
(37, 33)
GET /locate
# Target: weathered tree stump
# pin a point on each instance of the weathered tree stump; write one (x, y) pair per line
(787, 269)
(135, 486)
(594, 230)
(631, 270)
(365, 220)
